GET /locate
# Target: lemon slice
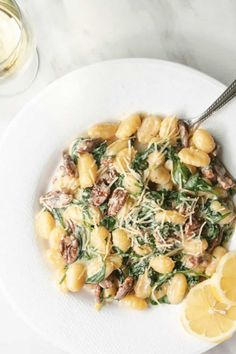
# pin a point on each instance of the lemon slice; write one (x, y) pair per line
(224, 279)
(207, 317)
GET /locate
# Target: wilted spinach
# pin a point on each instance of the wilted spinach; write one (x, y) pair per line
(57, 215)
(181, 173)
(211, 231)
(99, 151)
(108, 222)
(99, 276)
(162, 300)
(137, 268)
(198, 184)
(103, 207)
(140, 161)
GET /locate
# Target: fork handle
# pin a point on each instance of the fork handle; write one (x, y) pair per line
(224, 98)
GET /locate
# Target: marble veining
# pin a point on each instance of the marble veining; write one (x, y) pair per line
(74, 33)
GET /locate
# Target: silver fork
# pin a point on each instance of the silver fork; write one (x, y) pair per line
(222, 100)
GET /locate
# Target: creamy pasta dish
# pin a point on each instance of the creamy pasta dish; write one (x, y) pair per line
(138, 212)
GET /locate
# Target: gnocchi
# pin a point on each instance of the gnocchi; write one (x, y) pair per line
(44, 224)
(136, 211)
(156, 159)
(123, 159)
(87, 170)
(121, 240)
(217, 254)
(170, 216)
(103, 131)
(75, 277)
(100, 238)
(159, 175)
(55, 237)
(132, 184)
(128, 126)
(134, 302)
(203, 140)
(177, 288)
(61, 279)
(169, 128)
(117, 146)
(195, 247)
(194, 157)
(66, 183)
(149, 129)
(143, 286)
(162, 264)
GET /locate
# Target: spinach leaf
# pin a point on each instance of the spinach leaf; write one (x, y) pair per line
(86, 194)
(213, 216)
(196, 184)
(58, 217)
(99, 151)
(99, 276)
(164, 300)
(118, 182)
(84, 198)
(171, 153)
(80, 234)
(167, 229)
(164, 197)
(140, 161)
(211, 231)
(108, 222)
(161, 279)
(181, 172)
(119, 274)
(74, 154)
(62, 279)
(138, 268)
(103, 207)
(64, 276)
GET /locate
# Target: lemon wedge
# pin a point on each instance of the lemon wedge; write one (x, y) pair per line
(206, 316)
(224, 279)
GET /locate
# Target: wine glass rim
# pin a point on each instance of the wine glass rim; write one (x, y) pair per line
(20, 18)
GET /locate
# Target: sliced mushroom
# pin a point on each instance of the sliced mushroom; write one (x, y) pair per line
(108, 172)
(125, 288)
(98, 291)
(223, 177)
(208, 173)
(192, 262)
(100, 193)
(69, 248)
(106, 284)
(87, 145)
(184, 133)
(116, 201)
(192, 228)
(225, 182)
(68, 167)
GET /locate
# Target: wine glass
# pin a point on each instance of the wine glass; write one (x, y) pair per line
(19, 61)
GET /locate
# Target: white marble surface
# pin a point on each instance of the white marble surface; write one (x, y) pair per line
(73, 33)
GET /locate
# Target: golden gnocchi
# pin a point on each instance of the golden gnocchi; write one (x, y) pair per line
(138, 212)
(128, 126)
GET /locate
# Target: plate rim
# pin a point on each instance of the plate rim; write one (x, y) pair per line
(17, 118)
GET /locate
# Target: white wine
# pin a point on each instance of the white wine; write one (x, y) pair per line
(18, 55)
(10, 34)
(14, 41)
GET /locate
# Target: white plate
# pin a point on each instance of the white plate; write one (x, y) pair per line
(29, 152)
